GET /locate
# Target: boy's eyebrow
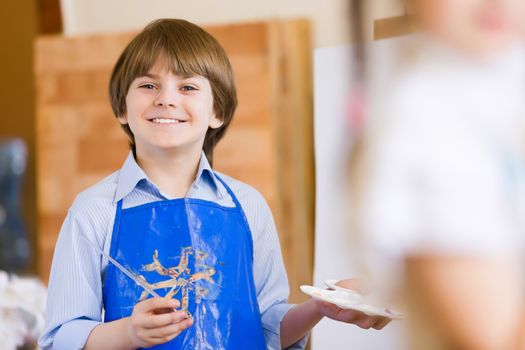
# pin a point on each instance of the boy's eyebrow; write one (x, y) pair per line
(149, 75)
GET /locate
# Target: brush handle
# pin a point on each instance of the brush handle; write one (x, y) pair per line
(122, 268)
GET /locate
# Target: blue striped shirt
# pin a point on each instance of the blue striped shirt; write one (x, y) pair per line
(74, 303)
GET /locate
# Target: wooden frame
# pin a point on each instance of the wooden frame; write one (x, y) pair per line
(391, 27)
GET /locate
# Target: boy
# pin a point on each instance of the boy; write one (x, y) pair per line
(205, 242)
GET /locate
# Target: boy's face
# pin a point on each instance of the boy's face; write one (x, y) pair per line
(167, 112)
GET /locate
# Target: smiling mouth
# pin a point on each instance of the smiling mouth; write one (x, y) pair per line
(167, 121)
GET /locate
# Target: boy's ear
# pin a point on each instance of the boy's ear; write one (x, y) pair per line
(215, 122)
(123, 119)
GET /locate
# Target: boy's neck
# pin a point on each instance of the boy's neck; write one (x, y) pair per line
(172, 172)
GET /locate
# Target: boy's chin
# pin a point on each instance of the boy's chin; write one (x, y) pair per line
(174, 147)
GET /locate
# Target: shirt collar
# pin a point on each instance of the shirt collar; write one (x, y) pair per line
(131, 174)
(205, 169)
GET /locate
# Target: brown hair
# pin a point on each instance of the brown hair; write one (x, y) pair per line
(189, 51)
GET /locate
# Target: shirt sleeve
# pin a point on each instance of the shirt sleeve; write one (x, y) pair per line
(74, 301)
(270, 278)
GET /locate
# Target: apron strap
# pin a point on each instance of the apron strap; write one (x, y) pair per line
(116, 226)
(119, 204)
(236, 202)
(230, 191)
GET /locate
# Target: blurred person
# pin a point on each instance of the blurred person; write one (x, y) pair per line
(438, 175)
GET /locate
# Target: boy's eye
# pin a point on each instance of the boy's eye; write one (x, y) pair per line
(148, 86)
(188, 88)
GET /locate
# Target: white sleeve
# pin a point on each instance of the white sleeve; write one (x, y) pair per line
(436, 186)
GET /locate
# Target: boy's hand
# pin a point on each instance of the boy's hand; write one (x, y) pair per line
(351, 316)
(153, 322)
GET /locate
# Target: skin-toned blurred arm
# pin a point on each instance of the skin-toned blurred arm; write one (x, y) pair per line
(477, 303)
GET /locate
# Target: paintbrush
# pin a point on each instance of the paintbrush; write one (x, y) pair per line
(125, 271)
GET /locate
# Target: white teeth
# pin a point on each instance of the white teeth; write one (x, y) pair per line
(165, 121)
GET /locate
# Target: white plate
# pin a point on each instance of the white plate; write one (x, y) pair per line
(346, 300)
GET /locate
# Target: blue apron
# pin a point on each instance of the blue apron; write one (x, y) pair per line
(197, 251)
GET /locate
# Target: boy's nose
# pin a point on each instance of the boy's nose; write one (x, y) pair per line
(162, 103)
(166, 99)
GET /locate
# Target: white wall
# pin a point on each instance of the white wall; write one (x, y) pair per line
(335, 253)
(88, 16)
(335, 256)
(329, 17)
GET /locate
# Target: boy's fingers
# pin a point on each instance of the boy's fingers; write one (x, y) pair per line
(170, 331)
(349, 315)
(155, 341)
(162, 311)
(376, 322)
(151, 304)
(161, 320)
(365, 322)
(382, 323)
(328, 308)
